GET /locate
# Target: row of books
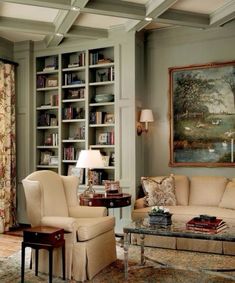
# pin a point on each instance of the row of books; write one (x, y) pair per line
(75, 93)
(206, 225)
(72, 78)
(97, 117)
(73, 113)
(77, 60)
(46, 119)
(106, 138)
(51, 140)
(71, 153)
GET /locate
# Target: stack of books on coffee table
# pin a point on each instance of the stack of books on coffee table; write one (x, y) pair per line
(206, 224)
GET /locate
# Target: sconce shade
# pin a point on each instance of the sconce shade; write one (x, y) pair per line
(90, 159)
(146, 115)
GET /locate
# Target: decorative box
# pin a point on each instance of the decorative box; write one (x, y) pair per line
(162, 219)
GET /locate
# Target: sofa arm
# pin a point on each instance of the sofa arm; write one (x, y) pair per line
(139, 203)
(87, 211)
(67, 223)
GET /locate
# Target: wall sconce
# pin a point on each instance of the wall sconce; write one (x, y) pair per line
(146, 116)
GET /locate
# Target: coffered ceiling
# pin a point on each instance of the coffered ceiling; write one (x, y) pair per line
(53, 21)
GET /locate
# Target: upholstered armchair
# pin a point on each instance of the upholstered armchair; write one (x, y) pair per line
(51, 200)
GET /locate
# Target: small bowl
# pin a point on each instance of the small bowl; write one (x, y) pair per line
(104, 97)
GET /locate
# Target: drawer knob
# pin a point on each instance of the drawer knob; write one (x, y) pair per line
(57, 237)
(111, 203)
(90, 203)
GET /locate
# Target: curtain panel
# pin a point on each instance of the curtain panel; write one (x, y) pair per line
(7, 146)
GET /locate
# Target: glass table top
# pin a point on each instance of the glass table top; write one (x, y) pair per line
(178, 229)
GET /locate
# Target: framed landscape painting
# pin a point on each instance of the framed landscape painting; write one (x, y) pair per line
(202, 115)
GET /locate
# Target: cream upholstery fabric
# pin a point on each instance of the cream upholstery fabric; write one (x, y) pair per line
(52, 200)
(207, 190)
(228, 199)
(207, 195)
(89, 228)
(182, 189)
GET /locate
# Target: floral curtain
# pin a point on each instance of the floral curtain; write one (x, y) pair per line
(7, 146)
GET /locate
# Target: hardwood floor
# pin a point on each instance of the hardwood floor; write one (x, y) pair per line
(9, 244)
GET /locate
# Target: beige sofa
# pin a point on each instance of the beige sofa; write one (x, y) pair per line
(211, 195)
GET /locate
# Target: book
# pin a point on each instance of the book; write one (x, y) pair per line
(210, 225)
(198, 222)
(208, 230)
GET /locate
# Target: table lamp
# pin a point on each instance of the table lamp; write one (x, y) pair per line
(90, 159)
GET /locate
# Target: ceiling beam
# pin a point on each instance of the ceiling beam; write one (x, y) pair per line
(55, 4)
(182, 18)
(63, 23)
(153, 10)
(26, 26)
(223, 15)
(86, 32)
(115, 8)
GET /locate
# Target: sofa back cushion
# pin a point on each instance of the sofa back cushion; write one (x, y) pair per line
(207, 190)
(228, 198)
(181, 189)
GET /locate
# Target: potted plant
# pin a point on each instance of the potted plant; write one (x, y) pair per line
(160, 215)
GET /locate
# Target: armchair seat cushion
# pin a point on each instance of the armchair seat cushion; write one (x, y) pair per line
(89, 228)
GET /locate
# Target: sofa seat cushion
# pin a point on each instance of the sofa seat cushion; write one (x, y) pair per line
(89, 228)
(185, 213)
(207, 190)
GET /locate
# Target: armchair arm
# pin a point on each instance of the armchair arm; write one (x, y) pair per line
(87, 211)
(67, 223)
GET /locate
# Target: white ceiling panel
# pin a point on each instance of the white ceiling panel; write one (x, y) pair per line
(99, 21)
(199, 6)
(27, 12)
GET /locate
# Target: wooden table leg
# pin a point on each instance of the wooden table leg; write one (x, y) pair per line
(63, 260)
(50, 264)
(36, 262)
(22, 261)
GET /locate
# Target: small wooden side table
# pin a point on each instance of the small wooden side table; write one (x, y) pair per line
(110, 201)
(43, 237)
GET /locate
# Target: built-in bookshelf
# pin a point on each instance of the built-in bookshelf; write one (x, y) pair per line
(75, 106)
(47, 112)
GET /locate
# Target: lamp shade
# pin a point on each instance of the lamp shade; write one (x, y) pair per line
(146, 115)
(90, 159)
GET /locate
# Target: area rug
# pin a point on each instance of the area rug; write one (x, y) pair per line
(186, 271)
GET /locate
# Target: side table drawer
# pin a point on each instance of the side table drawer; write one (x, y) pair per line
(43, 237)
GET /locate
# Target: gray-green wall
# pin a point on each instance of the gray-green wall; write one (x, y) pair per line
(6, 49)
(170, 48)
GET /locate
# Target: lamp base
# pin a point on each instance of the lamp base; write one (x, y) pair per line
(89, 191)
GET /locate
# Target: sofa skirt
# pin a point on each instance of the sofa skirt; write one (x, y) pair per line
(217, 247)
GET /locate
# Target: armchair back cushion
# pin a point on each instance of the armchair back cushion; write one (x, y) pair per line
(53, 190)
(207, 190)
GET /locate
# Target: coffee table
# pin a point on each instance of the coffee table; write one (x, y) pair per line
(177, 229)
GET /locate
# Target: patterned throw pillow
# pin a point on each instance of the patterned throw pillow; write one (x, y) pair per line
(159, 192)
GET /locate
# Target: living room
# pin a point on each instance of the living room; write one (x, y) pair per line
(143, 56)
